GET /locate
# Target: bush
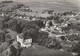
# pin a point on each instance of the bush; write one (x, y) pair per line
(42, 37)
(2, 36)
(76, 48)
(30, 33)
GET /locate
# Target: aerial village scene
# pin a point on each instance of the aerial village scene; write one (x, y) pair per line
(39, 28)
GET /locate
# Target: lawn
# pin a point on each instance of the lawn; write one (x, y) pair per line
(37, 50)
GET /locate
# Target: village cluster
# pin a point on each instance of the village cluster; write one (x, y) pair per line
(59, 31)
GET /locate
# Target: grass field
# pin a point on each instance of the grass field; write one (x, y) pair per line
(57, 6)
(43, 51)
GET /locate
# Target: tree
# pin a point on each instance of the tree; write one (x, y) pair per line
(31, 33)
(3, 22)
(12, 24)
(50, 11)
(42, 36)
(39, 23)
(76, 48)
(2, 36)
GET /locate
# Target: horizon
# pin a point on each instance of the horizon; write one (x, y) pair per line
(58, 4)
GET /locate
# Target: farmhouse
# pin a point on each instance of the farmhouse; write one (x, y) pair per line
(24, 43)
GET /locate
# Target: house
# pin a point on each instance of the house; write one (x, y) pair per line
(24, 43)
